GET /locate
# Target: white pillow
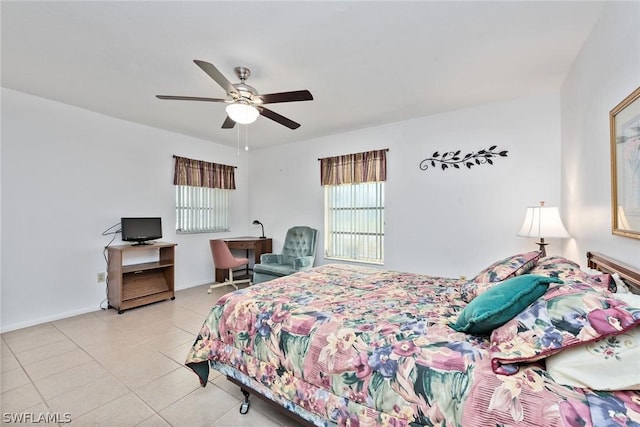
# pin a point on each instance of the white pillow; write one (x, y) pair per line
(608, 364)
(629, 298)
(621, 287)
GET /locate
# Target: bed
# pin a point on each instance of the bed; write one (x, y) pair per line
(530, 340)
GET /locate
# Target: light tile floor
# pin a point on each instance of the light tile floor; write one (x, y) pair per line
(105, 369)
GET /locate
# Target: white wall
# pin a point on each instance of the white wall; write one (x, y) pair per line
(606, 71)
(67, 175)
(438, 222)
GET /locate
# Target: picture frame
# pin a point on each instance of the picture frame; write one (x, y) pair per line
(624, 122)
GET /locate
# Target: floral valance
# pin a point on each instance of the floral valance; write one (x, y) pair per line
(354, 168)
(198, 173)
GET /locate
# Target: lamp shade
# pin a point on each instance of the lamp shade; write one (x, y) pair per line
(543, 221)
(242, 113)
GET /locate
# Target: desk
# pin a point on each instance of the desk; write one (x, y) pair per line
(258, 245)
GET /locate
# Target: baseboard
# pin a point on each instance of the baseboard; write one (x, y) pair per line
(59, 316)
(52, 318)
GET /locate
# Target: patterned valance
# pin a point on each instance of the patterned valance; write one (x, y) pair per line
(354, 168)
(198, 173)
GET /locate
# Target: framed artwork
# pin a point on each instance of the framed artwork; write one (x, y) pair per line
(624, 121)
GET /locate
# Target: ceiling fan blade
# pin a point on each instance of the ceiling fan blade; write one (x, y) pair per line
(216, 75)
(278, 118)
(297, 95)
(189, 98)
(228, 123)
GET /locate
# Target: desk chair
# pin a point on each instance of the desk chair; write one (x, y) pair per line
(223, 258)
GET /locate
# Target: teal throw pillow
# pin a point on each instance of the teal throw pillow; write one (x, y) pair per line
(501, 303)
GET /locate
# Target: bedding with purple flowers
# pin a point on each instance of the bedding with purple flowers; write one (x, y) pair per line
(349, 345)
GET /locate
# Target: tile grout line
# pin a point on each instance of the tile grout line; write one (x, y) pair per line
(31, 381)
(129, 389)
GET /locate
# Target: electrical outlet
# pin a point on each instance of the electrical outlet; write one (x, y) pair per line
(102, 276)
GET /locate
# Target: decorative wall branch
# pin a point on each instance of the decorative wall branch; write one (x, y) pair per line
(453, 158)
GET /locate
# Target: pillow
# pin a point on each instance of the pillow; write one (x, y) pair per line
(591, 271)
(500, 304)
(497, 272)
(565, 316)
(608, 364)
(568, 271)
(621, 287)
(509, 267)
(603, 280)
(629, 298)
(469, 290)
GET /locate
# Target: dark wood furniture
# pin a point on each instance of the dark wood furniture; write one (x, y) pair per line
(134, 285)
(258, 245)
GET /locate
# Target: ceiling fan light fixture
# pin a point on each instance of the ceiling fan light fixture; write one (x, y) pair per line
(242, 113)
(245, 104)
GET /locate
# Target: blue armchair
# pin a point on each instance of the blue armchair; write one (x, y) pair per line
(298, 254)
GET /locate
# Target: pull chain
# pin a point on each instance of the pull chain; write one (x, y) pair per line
(238, 134)
(246, 138)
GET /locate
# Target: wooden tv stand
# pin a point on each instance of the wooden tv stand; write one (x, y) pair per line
(134, 285)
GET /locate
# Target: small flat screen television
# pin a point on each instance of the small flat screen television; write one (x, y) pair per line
(140, 230)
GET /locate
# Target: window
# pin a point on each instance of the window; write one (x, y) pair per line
(354, 205)
(201, 209)
(354, 222)
(202, 195)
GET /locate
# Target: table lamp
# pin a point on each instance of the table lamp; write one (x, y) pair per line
(543, 221)
(256, 222)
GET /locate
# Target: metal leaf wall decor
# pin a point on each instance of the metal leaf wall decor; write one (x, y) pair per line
(455, 160)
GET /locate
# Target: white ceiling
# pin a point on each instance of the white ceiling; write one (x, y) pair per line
(366, 63)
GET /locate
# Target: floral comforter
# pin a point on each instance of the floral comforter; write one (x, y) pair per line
(349, 345)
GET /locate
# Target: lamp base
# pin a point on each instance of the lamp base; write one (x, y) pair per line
(542, 245)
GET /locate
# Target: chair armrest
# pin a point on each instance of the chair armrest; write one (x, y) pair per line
(303, 263)
(271, 259)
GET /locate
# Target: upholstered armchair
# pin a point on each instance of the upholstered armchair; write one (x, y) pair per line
(298, 254)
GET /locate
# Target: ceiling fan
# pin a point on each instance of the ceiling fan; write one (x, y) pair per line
(244, 102)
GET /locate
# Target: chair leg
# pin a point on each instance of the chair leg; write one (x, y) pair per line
(229, 282)
(234, 282)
